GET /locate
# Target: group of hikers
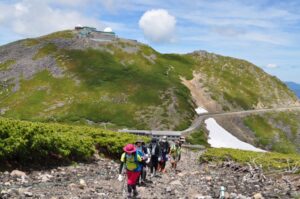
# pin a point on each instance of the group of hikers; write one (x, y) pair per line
(138, 157)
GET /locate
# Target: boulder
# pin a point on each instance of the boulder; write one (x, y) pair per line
(28, 194)
(258, 196)
(17, 173)
(175, 182)
(82, 184)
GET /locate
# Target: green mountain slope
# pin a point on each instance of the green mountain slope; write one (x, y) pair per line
(124, 83)
(276, 131)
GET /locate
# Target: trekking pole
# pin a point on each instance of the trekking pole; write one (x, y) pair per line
(124, 187)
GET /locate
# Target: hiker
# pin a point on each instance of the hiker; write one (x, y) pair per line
(132, 162)
(181, 141)
(155, 156)
(174, 154)
(165, 150)
(144, 152)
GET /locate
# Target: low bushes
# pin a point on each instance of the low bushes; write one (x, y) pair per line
(28, 142)
(268, 160)
(198, 138)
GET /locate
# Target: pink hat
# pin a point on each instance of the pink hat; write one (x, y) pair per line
(129, 148)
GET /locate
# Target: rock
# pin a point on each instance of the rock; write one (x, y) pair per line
(45, 177)
(258, 196)
(208, 178)
(4, 192)
(226, 195)
(181, 174)
(21, 191)
(6, 173)
(240, 196)
(168, 189)
(176, 182)
(96, 157)
(82, 184)
(7, 183)
(23, 180)
(28, 194)
(17, 173)
(72, 186)
(199, 196)
(233, 195)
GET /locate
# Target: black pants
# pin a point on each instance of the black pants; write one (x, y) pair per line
(142, 177)
(154, 163)
(131, 188)
(144, 172)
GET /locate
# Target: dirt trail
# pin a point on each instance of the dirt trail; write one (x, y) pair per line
(99, 180)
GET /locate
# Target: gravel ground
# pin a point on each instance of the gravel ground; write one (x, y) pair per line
(192, 180)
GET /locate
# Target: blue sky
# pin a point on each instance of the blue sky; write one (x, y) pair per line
(265, 32)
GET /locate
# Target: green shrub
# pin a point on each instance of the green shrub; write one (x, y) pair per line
(268, 160)
(25, 142)
(7, 64)
(46, 50)
(65, 34)
(198, 138)
(30, 42)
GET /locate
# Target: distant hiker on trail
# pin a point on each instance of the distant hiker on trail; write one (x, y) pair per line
(132, 161)
(174, 154)
(165, 150)
(147, 160)
(155, 156)
(181, 141)
(144, 152)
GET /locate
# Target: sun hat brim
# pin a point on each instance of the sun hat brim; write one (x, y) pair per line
(127, 150)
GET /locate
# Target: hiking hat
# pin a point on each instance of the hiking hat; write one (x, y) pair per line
(129, 148)
(164, 138)
(139, 141)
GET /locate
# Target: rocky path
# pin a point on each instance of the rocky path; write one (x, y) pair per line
(98, 180)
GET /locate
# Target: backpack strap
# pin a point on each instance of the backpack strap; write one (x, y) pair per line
(135, 157)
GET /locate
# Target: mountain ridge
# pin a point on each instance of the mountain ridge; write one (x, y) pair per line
(123, 83)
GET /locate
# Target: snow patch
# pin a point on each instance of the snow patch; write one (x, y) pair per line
(220, 138)
(200, 110)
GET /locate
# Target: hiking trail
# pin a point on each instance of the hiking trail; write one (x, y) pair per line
(99, 180)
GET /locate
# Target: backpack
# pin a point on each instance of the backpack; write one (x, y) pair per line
(135, 158)
(145, 150)
(165, 147)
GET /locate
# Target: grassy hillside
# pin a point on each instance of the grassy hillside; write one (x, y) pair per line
(276, 131)
(123, 83)
(238, 84)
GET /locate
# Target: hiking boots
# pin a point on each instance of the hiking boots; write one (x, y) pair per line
(135, 193)
(129, 195)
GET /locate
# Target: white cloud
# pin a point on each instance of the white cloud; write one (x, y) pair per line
(70, 2)
(30, 18)
(158, 25)
(272, 66)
